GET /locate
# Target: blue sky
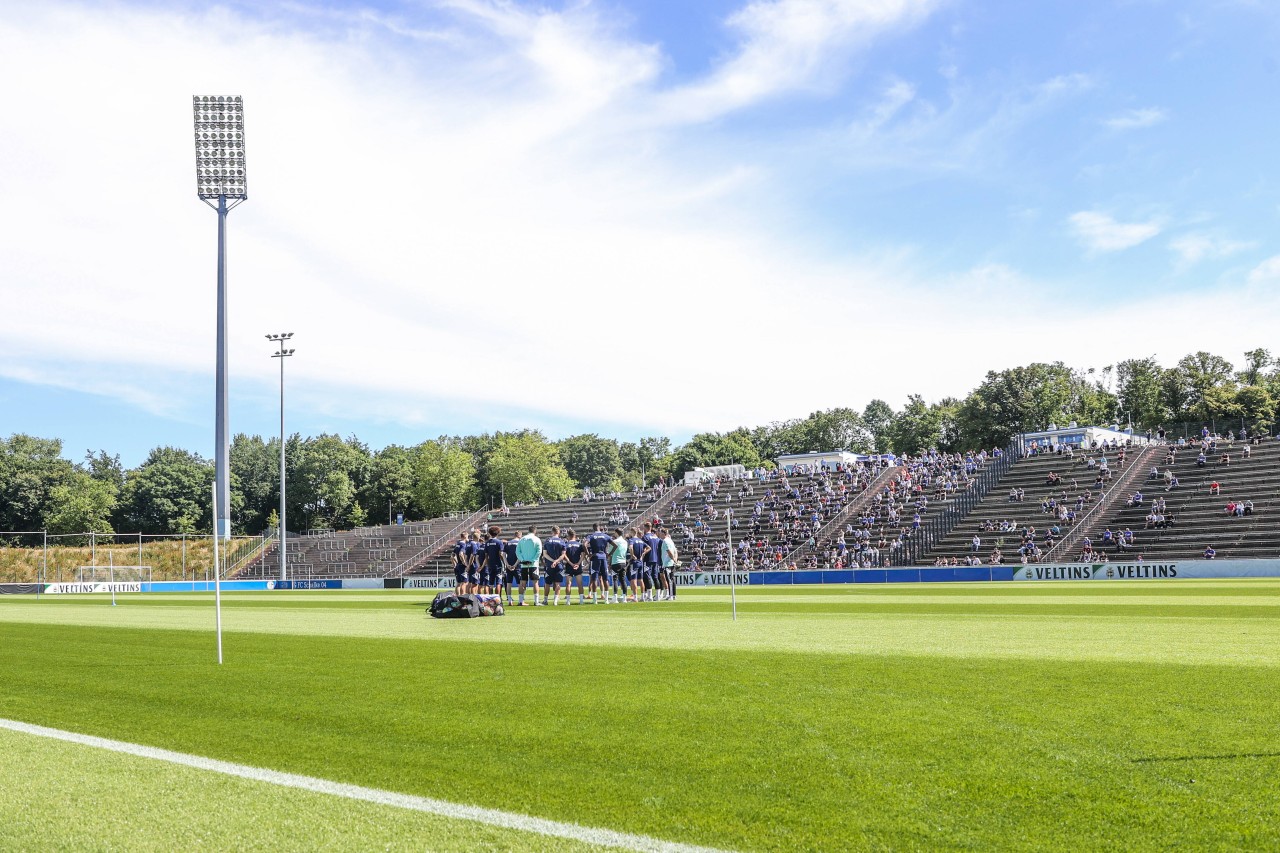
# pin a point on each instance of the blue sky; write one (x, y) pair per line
(479, 214)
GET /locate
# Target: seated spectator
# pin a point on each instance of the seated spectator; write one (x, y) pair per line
(1173, 484)
(1135, 499)
(1215, 488)
(1244, 451)
(1230, 508)
(1226, 460)
(1201, 460)
(1248, 507)
(1053, 479)
(1210, 553)
(1155, 472)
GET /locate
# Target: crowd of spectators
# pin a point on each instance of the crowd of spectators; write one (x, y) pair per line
(787, 524)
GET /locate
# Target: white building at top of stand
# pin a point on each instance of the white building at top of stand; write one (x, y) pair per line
(1076, 436)
(827, 461)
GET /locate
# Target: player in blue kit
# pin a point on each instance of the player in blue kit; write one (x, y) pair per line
(597, 543)
(491, 574)
(638, 550)
(573, 568)
(553, 562)
(652, 573)
(512, 566)
(460, 564)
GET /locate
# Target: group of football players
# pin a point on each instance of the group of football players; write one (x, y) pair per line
(617, 569)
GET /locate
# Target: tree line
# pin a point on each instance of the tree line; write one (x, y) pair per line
(341, 482)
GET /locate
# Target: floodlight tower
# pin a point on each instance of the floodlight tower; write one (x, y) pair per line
(221, 184)
(281, 354)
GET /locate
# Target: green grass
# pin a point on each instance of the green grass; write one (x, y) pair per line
(1124, 715)
(75, 797)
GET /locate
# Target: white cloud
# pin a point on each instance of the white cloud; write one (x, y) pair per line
(1099, 232)
(1266, 274)
(412, 208)
(1138, 118)
(1193, 248)
(787, 45)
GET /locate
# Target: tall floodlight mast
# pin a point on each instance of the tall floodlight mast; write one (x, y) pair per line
(221, 184)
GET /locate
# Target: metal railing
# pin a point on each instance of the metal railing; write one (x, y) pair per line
(433, 550)
(857, 503)
(1105, 503)
(934, 527)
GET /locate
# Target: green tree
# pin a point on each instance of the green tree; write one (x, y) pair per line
(1256, 361)
(1019, 399)
(323, 488)
(878, 418)
(391, 484)
(1175, 393)
(255, 471)
(526, 467)
(593, 462)
(1257, 406)
(444, 478)
(1141, 391)
(80, 504)
(834, 429)
(169, 493)
(1205, 372)
(710, 448)
(105, 468)
(917, 427)
(30, 468)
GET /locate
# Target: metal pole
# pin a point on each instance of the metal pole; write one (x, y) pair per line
(217, 585)
(222, 464)
(93, 549)
(733, 586)
(44, 565)
(139, 552)
(111, 558)
(283, 565)
(184, 557)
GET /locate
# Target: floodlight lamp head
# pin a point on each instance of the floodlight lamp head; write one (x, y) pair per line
(219, 138)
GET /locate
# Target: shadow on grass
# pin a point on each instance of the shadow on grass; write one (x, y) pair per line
(1231, 757)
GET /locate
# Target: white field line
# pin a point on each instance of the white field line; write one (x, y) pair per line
(458, 811)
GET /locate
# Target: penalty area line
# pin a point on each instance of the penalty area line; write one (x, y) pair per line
(443, 808)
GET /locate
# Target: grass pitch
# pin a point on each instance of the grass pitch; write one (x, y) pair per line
(1135, 715)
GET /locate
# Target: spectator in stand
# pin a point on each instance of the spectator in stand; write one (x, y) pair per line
(1201, 460)
(1215, 488)
(1210, 553)
(1248, 507)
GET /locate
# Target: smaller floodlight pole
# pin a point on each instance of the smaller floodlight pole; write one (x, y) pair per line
(733, 587)
(220, 177)
(281, 354)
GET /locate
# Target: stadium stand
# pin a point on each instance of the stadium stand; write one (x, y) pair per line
(1036, 494)
(382, 551)
(815, 519)
(1194, 513)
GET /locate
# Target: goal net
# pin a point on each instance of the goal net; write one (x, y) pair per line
(113, 574)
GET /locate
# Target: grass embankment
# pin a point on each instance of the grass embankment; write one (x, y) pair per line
(837, 719)
(164, 556)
